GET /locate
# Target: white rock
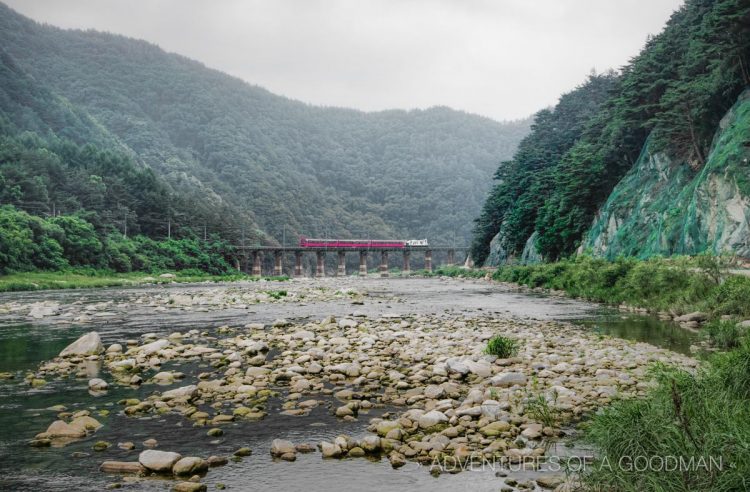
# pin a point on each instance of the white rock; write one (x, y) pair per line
(43, 309)
(434, 392)
(350, 369)
(158, 461)
(153, 347)
(456, 365)
(348, 323)
(181, 392)
(97, 384)
(124, 365)
(505, 379)
(431, 419)
(480, 368)
(281, 446)
(303, 335)
(330, 450)
(88, 344)
(471, 411)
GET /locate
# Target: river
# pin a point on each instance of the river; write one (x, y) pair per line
(25, 343)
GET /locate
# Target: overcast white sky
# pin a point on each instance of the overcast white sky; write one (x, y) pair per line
(504, 59)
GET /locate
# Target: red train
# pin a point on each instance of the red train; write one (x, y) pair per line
(360, 243)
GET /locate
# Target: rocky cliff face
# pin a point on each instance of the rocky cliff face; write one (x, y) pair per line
(663, 207)
(498, 254)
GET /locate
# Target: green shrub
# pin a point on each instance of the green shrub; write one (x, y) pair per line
(276, 294)
(502, 347)
(724, 334)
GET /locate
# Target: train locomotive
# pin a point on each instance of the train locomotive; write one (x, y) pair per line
(362, 243)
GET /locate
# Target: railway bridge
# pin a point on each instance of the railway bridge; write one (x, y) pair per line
(253, 256)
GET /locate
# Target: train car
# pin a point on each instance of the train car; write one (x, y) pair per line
(360, 243)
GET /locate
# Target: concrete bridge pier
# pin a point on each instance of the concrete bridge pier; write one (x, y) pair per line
(407, 265)
(363, 263)
(256, 264)
(277, 267)
(341, 271)
(384, 263)
(320, 266)
(428, 260)
(298, 263)
(451, 257)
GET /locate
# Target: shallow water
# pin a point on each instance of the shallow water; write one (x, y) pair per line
(24, 345)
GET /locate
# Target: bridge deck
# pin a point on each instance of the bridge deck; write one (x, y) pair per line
(297, 248)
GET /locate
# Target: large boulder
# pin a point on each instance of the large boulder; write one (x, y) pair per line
(431, 419)
(88, 344)
(86, 423)
(159, 461)
(181, 392)
(330, 450)
(281, 446)
(385, 426)
(481, 368)
(153, 347)
(456, 365)
(190, 465)
(43, 309)
(97, 384)
(60, 428)
(371, 444)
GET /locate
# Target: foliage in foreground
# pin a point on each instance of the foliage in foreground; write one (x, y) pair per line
(704, 417)
(661, 284)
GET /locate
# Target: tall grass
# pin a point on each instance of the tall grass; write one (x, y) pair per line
(703, 416)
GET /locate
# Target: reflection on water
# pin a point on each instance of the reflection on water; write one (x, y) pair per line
(642, 328)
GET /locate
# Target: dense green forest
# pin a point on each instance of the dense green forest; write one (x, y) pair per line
(29, 242)
(257, 167)
(673, 93)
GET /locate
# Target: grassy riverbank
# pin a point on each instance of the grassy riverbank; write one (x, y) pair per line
(675, 285)
(88, 278)
(692, 431)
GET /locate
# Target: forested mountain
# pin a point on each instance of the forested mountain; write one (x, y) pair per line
(256, 165)
(672, 96)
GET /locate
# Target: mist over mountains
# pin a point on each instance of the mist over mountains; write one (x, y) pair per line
(235, 158)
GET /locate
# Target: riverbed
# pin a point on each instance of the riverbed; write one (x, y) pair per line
(35, 326)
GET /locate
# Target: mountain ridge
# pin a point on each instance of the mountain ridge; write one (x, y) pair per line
(289, 166)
